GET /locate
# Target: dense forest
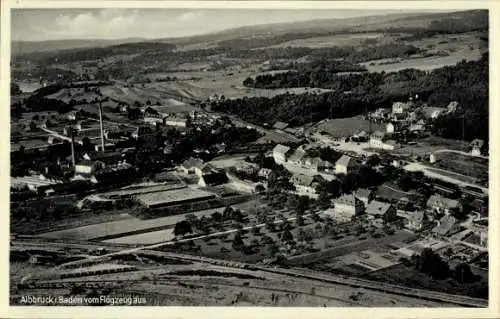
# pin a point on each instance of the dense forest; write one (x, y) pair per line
(465, 82)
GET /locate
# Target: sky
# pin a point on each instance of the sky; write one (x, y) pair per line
(55, 24)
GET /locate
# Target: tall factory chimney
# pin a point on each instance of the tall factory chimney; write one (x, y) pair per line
(100, 123)
(72, 135)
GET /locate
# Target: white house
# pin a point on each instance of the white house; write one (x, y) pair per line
(88, 167)
(378, 140)
(304, 183)
(346, 164)
(280, 153)
(347, 206)
(400, 107)
(476, 147)
(389, 128)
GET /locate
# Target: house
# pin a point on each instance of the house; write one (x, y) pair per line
(297, 156)
(312, 163)
(416, 220)
(361, 136)
(400, 107)
(346, 164)
(142, 131)
(347, 206)
(433, 112)
(452, 107)
(381, 210)
(442, 205)
(365, 195)
(378, 140)
(73, 115)
(280, 125)
(447, 225)
(476, 147)
(389, 128)
(248, 168)
(264, 173)
(175, 121)
(305, 183)
(192, 166)
(88, 167)
(281, 153)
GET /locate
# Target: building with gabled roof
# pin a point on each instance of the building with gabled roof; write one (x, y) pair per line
(192, 165)
(281, 153)
(297, 156)
(381, 210)
(347, 206)
(280, 125)
(476, 147)
(364, 194)
(346, 164)
(442, 205)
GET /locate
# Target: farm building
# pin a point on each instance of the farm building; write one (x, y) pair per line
(192, 166)
(433, 112)
(305, 183)
(381, 210)
(280, 125)
(365, 195)
(297, 156)
(447, 225)
(346, 164)
(442, 205)
(476, 147)
(347, 206)
(281, 153)
(400, 107)
(173, 197)
(452, 107)
(416, 220)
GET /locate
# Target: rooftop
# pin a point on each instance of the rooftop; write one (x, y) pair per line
(347, 199)
(377, 208)
(193, 162)
(281, 149)
(443, 202)
(280, 125)
(345, 160)
(363, 193)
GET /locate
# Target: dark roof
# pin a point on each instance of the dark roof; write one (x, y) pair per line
(215, 178)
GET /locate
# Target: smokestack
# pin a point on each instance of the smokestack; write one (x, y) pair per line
(100, 122)
(72, 134)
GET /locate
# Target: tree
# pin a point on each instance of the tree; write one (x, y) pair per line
(259, 188)
(463, 274)
(238, 243)
(181, 228)
(217, 217)
(287, 236)
(429, 262)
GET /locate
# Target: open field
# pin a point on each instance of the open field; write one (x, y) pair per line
(353, 246)
(431, 144)
(475, 167)
(422, 63)
(347, 126)
(334, 40)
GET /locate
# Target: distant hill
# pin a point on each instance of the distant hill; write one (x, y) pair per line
(21, 47)
(473, 19)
